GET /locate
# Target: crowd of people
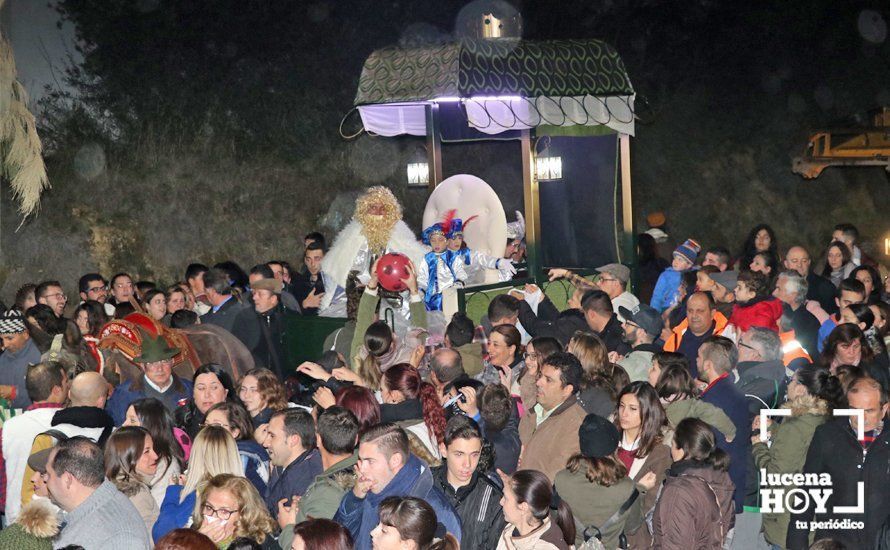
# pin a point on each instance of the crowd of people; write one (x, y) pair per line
(623, 420)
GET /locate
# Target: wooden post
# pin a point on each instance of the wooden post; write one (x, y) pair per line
(627, 211)
(433, 145)
(532, 207)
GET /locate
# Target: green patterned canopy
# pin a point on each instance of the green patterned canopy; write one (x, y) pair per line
(501, 67)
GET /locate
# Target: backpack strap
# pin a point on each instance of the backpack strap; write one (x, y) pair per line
(613, 519)
(58, 435)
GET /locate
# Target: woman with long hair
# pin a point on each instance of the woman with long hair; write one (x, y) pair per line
(155, 303)
(812, 395)
(761, 238)
(262, 394)
(230, 507)
(131, 463)
(321, 534)
(881, 311)
(641, 422)
(235, 419)
(527, 502)
(596, 486)
(410, 523)
(871, 280)
(846, 345)
(536, 352)
(695, 507)
(676, 390)
(414, 405)
(596, 394)
(170, 443)
(214, 452)
(765, 262)
(863, 316)
(90, 317)
(838, 263)
(362, 403)
(211, 384)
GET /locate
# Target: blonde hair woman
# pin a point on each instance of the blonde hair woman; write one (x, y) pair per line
(213, 453)
(230, 507)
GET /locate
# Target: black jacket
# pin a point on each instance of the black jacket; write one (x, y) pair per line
(302, 286)
(806, 330)
(479, 506)
(762, 383)
(270, 351)
(551, 322)
(613, 336)
(835, 450)
(237, 318)
(506, 442)
(823, 291)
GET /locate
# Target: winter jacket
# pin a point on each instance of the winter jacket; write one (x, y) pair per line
(666, 289)
(763, 311)
(638, 362)
(834, 450)
(786, 455)
(695, 509)
(593, 504)
(415, 479)
(173, 513)
(239, 319)
(270, 351)
(18, 436)
(34, 529)
(546, 537)
(140, 497)
(706, 412)
(292, 480)
(676, 341)
(479, 506)
(722, 393)
(762, 384)
(255, 462)
(657, 461)
(823, 291)
(131, 390)
(549, 321)
(548, 446)
(323, 497)
(471, 358)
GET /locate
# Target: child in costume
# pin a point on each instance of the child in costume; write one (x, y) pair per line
(474, 260)
(440, 269)
(668, 285)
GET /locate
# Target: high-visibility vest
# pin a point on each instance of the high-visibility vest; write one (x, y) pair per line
(673, 343)
(791, 348)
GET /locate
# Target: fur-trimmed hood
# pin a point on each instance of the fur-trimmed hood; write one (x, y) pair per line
(807, 404)
(39, 518)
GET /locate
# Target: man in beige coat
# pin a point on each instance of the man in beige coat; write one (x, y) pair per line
(549, 430)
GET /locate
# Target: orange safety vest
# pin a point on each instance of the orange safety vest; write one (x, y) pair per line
(673, 343)
(791, 348)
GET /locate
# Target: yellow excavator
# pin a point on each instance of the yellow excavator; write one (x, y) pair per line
(865, 146)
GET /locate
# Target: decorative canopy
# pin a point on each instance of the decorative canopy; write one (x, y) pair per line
(503, 84)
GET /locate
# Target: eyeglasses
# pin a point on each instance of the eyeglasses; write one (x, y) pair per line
(98, 289)
(605, 280)
(744, 345)
(158, 365)
(221, 513)
(58, 295)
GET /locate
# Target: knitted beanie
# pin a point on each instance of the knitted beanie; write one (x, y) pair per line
(689, 250)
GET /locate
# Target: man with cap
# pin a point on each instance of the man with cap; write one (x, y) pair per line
(612, 280)
(271, 318)
(19, 351)
(157, 380)
(642, 326)
(722, 289)
(598, 503)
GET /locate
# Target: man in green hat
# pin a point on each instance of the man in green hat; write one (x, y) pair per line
(157, 380)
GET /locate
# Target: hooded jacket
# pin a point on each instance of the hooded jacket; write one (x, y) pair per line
(548, 536)
(34, 529)
(479, 506)
(695, 508)
(762, 311)
(415, 479)
(788, 452)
